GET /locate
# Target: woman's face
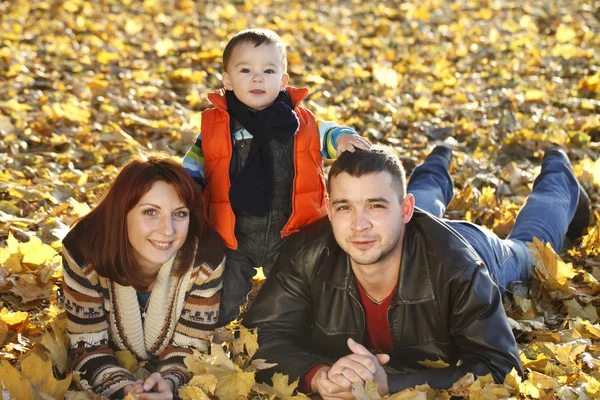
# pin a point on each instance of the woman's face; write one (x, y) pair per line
(157, 226)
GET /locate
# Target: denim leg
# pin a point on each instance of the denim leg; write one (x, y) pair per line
(506, 260)
(432, 185)
(552, 203)
(237, 283)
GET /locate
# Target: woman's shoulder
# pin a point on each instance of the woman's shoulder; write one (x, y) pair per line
(74, 260)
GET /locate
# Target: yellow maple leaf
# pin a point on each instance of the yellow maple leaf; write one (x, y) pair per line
(206, 382)
(565, 34)
(56, 341)
(386, 76)
(434, 364)
(133, 27)
(127, 360)
(368, 391)
(192, 393)
(10, 261)
(574, 309)
(409, 394)
(13, 318)
(39, 373)
(164, 47)
(250, 339)
(3, 331)
(14, 382)
(233, 383)
(535, 95)
(513, 379)
(549, 268)
(36, 253)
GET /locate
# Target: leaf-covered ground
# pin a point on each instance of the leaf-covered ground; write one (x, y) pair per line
(82, 84)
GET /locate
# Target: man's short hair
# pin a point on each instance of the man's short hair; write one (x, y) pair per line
(256, 37)
(364, 162)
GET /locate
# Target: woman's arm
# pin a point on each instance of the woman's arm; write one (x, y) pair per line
(87, 327)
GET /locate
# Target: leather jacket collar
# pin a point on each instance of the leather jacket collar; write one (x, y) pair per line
(414, 283)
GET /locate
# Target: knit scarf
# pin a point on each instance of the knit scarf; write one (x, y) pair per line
(252, 189)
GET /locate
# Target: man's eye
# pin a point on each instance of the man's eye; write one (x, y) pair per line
(343, 208)
(151, 212)
(181, 214)
(378, 206)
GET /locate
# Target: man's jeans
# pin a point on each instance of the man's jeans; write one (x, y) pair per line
(546, 214)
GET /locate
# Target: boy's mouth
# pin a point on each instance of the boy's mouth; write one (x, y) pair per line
(257, 91)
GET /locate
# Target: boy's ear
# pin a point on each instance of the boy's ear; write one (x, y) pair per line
(227, 81)
(284, 81)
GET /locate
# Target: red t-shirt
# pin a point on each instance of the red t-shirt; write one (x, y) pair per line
(378, 334)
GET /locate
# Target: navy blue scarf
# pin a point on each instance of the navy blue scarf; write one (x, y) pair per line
(252, 189)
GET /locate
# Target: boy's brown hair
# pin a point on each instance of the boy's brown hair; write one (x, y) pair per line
(256, 37)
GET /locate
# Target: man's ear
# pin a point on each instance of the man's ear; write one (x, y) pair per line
(408, 208)
(284, 81)
(227, 81)
(327, 207)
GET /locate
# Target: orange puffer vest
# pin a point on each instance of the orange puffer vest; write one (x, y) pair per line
(308, 199)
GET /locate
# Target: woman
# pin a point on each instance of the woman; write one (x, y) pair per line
(142, 272)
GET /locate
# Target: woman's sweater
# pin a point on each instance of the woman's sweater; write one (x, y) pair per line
(104, 317)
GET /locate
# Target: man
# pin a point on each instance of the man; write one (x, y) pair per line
(387, 277)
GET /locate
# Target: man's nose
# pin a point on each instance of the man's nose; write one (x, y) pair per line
(360, 221)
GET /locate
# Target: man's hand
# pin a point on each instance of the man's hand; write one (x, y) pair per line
(337, 388)
(350, 142)
(360, 366)
(155, 387)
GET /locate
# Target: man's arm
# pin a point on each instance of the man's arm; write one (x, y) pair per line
(283, 314)
(480, 329)
(193, 162)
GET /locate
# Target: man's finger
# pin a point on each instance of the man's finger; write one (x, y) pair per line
(358, 348)
(382, 358)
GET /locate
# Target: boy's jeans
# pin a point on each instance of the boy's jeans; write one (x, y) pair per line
(546, 214)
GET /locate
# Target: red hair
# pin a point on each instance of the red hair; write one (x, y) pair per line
(102, 236)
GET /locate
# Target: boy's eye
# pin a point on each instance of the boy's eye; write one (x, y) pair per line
(181, 214)
(245, 70)
(269, 71)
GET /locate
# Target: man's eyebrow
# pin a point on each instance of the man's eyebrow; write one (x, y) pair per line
(370, 200)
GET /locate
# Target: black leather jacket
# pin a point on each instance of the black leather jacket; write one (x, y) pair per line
(446, 306)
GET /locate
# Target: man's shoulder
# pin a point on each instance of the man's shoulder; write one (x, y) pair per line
(311, 243)
(440, 240)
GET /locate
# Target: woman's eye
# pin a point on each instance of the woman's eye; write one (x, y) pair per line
(150, 212)
(181, 214)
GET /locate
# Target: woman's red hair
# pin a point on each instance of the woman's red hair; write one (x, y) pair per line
(102, 236)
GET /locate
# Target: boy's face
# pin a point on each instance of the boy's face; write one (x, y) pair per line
(255, 74)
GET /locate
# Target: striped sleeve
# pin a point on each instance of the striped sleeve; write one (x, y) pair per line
(87, 327)
(329, 133)
(193, 162)
(197, 322)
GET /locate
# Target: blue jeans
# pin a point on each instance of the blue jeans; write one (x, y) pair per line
(546, 214)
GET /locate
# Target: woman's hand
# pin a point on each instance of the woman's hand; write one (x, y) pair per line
(155, 387)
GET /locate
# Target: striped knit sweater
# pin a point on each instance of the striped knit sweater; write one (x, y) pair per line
(104, 317)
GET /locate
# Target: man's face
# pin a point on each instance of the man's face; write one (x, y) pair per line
(368, 217)
(255, 74)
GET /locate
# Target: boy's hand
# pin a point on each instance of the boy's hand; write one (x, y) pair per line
(350, 142)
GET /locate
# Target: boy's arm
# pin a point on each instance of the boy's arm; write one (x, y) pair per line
(335, 139)
(193, 162)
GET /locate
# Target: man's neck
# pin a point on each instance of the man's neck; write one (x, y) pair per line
(380, 278)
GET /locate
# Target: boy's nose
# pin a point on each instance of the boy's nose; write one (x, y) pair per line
(257, 77)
